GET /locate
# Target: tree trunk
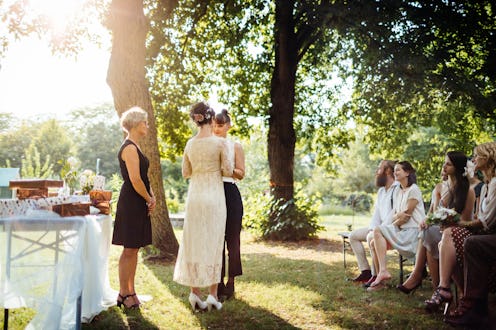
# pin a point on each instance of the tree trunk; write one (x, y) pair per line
(127, 80)
(282, 139)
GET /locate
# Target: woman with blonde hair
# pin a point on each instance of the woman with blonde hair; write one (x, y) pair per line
(132, 227)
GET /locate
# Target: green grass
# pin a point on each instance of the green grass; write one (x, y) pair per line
(284, 286)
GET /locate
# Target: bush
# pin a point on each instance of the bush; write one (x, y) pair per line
(292, 220)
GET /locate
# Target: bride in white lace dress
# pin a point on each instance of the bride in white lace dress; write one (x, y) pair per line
(199, 260)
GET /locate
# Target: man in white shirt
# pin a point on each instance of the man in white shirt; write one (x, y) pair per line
(384, 179)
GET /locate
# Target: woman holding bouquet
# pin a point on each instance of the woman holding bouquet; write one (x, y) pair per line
(461, 199)
(402, 233)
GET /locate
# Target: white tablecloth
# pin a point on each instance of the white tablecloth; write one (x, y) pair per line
(48, 260)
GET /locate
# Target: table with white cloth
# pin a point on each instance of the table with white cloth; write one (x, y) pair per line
(56, 265)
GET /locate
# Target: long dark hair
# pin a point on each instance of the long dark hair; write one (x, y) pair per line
(412, 176)
(460, 190)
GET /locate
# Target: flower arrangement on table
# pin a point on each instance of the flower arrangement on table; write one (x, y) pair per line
(69, 173)
(443, 217)
(86, 181)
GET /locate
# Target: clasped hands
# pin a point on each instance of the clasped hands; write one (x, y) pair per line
(399, 219)
(151, 204)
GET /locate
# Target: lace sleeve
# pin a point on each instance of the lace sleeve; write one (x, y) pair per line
(226, 165)
(186, 167)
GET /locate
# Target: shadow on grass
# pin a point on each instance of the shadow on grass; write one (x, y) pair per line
(316, 244)
(235, 313)
(116, 319)
(327, 294)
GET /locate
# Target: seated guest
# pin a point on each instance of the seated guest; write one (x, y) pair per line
(479, 267)
(427, 249)
(460, 197)
(384, 179)
(479, 248)
(402, 233)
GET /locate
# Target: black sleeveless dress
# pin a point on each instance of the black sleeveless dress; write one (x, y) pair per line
(132, 227)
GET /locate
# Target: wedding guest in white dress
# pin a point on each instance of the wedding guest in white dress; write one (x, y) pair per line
(199, 260)
(402, 234)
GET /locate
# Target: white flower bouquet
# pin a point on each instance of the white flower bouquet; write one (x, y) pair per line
(443, 216)
(86, 181)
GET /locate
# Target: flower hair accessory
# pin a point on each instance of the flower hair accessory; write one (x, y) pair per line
(198, 117)
(469, 169)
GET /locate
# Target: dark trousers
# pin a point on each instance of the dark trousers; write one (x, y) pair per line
(234, 206)
(479, 259)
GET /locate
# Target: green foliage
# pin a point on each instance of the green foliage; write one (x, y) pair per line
(32, 166)
(53, 142)
(69, 172)
(293, 220)
(15, 141)
(99, 138)
(358, 202)
(6, 120)
(175, 185)
(114, 184)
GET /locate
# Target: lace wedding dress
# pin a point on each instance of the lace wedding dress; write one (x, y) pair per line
(199, 260)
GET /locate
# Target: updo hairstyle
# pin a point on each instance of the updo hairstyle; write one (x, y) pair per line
(132, 118)
(201, 113)
(222, 118)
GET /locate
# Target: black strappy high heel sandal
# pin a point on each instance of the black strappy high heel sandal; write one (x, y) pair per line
(120, 302)
(440, 296)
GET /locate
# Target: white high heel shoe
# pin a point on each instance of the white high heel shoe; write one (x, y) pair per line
(196, 302)
(212, 302)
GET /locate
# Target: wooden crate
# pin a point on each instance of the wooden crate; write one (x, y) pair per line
(34, 188)
(72, 209)
(35, 183)
(101, 200)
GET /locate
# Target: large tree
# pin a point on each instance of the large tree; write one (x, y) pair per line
(126, 74)
(127, 79)
(250, 52)
(413, 63)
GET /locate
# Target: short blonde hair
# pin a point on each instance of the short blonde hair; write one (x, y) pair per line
(132, 117)
(488, 151)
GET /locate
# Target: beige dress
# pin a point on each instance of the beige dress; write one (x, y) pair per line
(199, 260)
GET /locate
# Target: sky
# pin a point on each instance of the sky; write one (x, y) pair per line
(33, 81)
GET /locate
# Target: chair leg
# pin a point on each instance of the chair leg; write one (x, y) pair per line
(344, 253)
(401, 261)
(6, 318)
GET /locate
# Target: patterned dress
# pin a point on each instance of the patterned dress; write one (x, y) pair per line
(199, 260)
(487, 212)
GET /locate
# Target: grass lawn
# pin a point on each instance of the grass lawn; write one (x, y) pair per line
(284, 286)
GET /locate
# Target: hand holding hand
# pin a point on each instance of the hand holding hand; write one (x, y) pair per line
(151, 204)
